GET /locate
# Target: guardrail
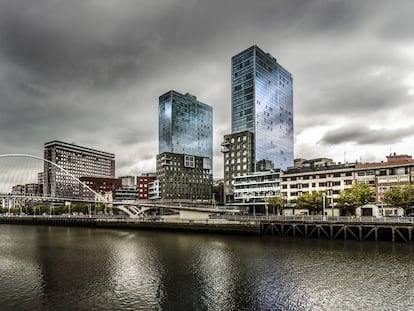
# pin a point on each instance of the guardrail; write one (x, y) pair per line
(176, 221)
(317, 218)
(229, 218)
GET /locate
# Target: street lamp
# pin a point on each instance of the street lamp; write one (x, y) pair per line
(323, 206)
(213, 201)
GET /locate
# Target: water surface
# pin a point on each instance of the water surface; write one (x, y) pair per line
(54, 268)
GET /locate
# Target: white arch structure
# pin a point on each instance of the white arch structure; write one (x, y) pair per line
(18, 155)
(130, 209)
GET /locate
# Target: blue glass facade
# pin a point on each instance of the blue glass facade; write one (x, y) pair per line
(185, 125)
(262, 102)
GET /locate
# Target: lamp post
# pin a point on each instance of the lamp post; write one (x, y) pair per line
(332, 200)
(323, 206)
(213, 201)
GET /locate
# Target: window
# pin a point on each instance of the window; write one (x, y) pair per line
(189, 161)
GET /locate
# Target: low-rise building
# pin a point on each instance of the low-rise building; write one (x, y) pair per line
(154, 192)
(33, 189)
(254, 189)
(127, 181)
(398, 170)
(321, 174)
(144, 182)
(126, 193)
(103, 185)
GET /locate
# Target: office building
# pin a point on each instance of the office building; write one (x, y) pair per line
(78, 161)
(185, 125)
(184, 162)
(262, 103)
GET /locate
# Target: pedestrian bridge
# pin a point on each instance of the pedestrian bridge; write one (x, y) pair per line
(137, 209)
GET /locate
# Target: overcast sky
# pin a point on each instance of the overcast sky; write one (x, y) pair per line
(91, 71)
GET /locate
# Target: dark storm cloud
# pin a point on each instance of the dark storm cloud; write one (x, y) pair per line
(91, 40)
(363, 135)
(91, 71)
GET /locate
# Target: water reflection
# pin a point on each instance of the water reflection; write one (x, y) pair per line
(89, 269)
(137, 274)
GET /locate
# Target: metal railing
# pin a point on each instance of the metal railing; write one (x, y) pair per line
(221, 219)
(317, 218)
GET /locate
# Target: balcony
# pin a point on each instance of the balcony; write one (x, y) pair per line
(225, 146)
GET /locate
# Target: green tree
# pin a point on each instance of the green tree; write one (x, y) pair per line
(407, 197)
(393, 196)
(359, 194)
(402, 196)
(311, 201)
(218, 191)
(278, 202)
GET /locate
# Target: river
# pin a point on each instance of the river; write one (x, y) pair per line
(56, 268)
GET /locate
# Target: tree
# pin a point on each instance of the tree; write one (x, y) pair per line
(277, 202)
(402, 196)
(311, 201)
(393, 196)
(359, 194)
(218, 191)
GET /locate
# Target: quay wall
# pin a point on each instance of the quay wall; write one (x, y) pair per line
(334, 230)
(196, 225)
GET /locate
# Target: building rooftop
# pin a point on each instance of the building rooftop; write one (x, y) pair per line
(78, 148)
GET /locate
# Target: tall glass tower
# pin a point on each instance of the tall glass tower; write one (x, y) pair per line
(262, 103)
(185, 125)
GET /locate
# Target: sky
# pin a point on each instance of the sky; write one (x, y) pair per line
(91, 72)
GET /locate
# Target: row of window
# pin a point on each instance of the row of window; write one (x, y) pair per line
(321, 184)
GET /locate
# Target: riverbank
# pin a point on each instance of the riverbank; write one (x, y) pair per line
(207, 225)
(370, 229)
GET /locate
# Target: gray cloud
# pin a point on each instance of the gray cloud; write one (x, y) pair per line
(91, 71)
(363, 135)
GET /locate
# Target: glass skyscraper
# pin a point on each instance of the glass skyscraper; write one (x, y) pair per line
(262, 103)
(185, 125)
